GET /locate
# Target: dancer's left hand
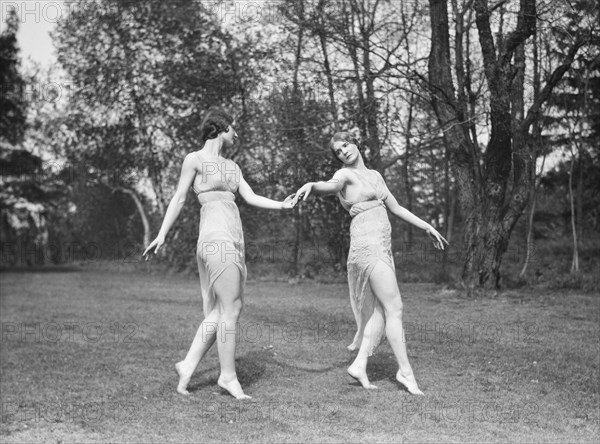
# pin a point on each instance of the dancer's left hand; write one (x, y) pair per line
(289, 202)
(437, 238)
(156, 244)
(303, 192)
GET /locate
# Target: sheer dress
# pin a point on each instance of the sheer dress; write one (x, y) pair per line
(370, 243)
(220, 236)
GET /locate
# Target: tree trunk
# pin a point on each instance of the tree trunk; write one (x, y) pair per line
(460, 150)
(296, 100)
(492, 194)
(586, 82)
(371, 111)
(536, 140)
(406, 168)
(359, 90)
(449, 203)
(529, 247)
(529, 237)
(579, 198)
(575, 261)
(141, 212)
(451, 216)
(330, 86)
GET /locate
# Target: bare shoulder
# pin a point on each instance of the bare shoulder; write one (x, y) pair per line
(233, 164)
(377, 173)
(231, 167)
(342, 174)
(192, 161)
(192, 157)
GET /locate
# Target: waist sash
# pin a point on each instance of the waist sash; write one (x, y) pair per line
(206, 197)
(361, 207)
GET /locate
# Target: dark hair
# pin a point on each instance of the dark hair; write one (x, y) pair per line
(343, 136)
(215, 121)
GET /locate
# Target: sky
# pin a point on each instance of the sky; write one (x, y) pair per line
(37, 19)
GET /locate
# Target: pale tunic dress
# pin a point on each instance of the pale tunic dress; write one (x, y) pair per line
(220, 236)
(370, 242)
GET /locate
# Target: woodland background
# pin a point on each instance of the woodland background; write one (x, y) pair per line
(483, 117)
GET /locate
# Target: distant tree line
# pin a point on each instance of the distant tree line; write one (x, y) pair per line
(456, 103)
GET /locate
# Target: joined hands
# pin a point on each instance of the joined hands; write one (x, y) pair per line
(302, 193)
(289, 202)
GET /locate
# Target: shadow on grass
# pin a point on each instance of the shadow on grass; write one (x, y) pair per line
(308, 367)
(251, 368)
(382, 366)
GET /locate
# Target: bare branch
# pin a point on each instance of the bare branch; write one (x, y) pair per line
(557, 75)
(526, 24)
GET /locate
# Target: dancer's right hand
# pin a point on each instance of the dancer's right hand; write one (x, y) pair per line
(158, 242)
(303, 192)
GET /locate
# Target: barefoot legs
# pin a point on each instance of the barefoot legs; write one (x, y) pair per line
(203, 341)
(358, 368)
(228, 289)
(220, 326)
(385, 289)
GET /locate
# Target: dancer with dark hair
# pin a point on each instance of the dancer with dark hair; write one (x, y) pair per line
(374, 293)
(220, 248)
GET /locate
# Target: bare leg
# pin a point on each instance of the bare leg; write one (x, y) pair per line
(385, 288)
(203, 341)
(358, 369)
(228, 289)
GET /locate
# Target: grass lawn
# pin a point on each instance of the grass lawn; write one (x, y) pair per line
(87, 356)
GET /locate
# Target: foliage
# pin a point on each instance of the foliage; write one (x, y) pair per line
(23, 196)
(495, 178)
(141, 74)
(12, 84)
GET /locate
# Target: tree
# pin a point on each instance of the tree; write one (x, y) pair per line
(573, 112)
(142, 75)
(356, 54)
(23, 198)
(493, 183)
(358, 57)
(13, 106)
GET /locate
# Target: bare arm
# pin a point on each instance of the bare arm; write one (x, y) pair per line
(399, 211)
(188, 172)
(255, 200)
(332, 186)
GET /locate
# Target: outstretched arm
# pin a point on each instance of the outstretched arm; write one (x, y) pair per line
(188, 172)
(399, 211)
(262, 202)
(332, 186)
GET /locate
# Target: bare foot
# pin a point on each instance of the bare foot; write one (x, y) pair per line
(233, 387)
(409, 382)
(361, 376)
(185, 375)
